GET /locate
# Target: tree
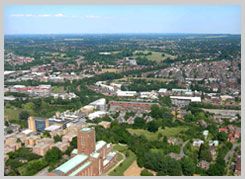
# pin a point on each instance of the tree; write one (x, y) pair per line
(189, 117)
(155, 111)
(53, 155)
(139, 123)
(152, 126)
(222, 136)
(57, 138)
(188, 166)
(6, 123)
(24, 115)
(217, 169)
(145, 173)
(204, 153)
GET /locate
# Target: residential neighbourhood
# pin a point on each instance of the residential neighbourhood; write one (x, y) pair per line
(85, 100)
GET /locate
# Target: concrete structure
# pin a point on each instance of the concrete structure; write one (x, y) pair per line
(197, 142)
(126, 93)
(62, 146)
(42, 146)
(37, 123)
(105, 124)
(97, 114)
(203, 164)
(89, 159)
(127, 103)
(184, 100)
(99, 104)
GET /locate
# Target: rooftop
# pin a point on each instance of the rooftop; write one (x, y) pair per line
(74, 151)
(85, 129)
(70, 164)
(52, 128)
(95, 155)
(80, 168)
(99, 145)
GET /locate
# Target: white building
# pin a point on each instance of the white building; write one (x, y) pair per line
(151, 95)
(96, 114)
(197, 142)
(99, 104)
(162, 90)
(126, 93)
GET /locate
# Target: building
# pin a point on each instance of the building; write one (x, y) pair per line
(197, 142)
(203, 164)
(213, 143)
(162, 91)
(37, 123)
(105, 124)
(238, 166)
(127, 103)
(91, 158)
(96, 114)
(99, 104)
(126, 93)
(42, 146)
(205, 133)
(184, 100)
(62, 146)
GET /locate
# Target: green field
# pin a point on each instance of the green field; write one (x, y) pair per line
(156, 56)
(58, 89)
(119, 171)
(169, 132)
(12, 113)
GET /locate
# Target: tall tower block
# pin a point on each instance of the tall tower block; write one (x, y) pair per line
(31, 123)
(86, 141)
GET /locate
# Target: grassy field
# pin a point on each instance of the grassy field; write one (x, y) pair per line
(12, 113)
(112, 70)
(119, 171)
(156, 56)
(58, 89)
(169, 132)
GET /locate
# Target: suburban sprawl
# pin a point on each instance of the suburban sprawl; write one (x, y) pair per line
(122, 105)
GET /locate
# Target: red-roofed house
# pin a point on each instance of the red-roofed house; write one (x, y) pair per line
(224, 129)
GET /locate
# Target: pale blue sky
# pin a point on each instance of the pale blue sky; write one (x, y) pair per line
(121, 19)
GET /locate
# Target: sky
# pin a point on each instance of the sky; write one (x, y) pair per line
(57, 19)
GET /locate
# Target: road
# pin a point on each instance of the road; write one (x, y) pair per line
(182, 154)
(230, 153)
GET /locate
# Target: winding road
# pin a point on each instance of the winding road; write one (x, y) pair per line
(230, 153)
(182, 153)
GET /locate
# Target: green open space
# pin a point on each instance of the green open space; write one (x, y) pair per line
(169, 132)
(130, 158)
(57, 89)
(155, 56)
(12, 113)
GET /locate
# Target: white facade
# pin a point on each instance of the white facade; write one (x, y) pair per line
(126, 93)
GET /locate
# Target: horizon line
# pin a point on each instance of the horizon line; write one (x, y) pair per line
(135, 33)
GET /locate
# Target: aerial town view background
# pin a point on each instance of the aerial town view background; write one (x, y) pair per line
(136, 103)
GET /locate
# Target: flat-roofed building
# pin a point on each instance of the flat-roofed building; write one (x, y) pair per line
(41, 148)
(62, 146)
(184, 100)
(105, 124)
